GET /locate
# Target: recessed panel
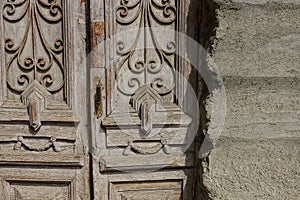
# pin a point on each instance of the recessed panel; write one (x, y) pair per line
(39, 191)
(158, 190)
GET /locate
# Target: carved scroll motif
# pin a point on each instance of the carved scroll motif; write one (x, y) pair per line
(30, 54)
(146, 61)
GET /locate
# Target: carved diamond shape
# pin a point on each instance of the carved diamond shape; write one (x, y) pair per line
(35, 98)
(144, 101)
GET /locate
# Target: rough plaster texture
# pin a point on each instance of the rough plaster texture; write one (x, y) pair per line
(254, 169)
(256, 47)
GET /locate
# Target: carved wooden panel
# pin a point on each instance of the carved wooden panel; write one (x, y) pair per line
(146, 56)
(142, 77)
(31, 53)
(143, 49)
(37, 53)
(144, 126)
(160, 190)
(36, 73)
(42, 117)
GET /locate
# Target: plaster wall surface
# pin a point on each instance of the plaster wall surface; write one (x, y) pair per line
(256, 48)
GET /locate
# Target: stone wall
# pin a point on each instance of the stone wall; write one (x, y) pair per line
(255, 44)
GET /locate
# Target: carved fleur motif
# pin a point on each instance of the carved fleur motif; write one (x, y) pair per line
(32, 56)
(146, 60)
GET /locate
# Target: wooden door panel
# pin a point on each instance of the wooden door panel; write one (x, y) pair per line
(43, 116)
(139, 65)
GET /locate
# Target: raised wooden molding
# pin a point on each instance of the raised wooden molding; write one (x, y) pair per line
(42, 159)
(140, 162)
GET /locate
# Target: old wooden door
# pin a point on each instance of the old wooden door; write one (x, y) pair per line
(92, 100)
(142, 135)
(43, 115)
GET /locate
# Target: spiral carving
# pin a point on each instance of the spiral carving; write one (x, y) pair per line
(155, 60)
(34, 64)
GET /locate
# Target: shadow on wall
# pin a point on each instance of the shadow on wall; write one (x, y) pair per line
(201, 27)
